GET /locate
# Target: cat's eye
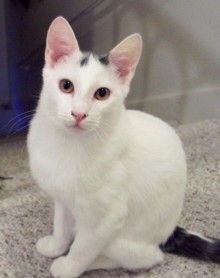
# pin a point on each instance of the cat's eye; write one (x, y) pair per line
(102, 93)
(66, 86)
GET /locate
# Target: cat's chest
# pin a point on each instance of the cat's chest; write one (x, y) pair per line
(61, 170)
(65, 169)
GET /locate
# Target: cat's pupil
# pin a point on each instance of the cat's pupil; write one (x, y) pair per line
(66, 84)
(102, 92)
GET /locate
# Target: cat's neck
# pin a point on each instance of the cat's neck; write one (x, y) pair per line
(91, 141)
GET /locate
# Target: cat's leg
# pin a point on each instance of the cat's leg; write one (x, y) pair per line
(103, 263)
(89, 243)
(59, 242)
(133, 256)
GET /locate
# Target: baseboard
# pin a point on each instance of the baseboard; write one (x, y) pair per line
(185, 108)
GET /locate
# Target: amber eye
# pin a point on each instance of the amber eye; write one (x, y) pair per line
(66, 86)
(102, 93)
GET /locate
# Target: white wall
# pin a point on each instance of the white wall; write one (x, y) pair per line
(179, 74)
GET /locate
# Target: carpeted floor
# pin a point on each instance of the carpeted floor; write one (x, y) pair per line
(26, 213)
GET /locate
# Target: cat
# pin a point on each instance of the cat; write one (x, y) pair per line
(117, 176)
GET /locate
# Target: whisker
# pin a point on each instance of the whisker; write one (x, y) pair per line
(15, 132)
(65, 118)
(15, 118)
(103, 127)
(99, 135)
(107, 125)
(19, 130)
(105, 133)
(18, 122)
(36, 96)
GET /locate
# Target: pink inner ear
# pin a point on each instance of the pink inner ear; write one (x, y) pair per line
(122, 65)
(57, 49)
(125, 56)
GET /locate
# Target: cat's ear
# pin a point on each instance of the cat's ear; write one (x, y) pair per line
(60, 42)
(125, 56)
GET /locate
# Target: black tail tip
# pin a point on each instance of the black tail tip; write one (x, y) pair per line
(192, 245)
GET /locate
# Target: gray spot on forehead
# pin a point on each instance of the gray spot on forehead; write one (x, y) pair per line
(85, 59)
(103, 59)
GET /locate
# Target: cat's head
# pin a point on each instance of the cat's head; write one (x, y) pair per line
(84, 91)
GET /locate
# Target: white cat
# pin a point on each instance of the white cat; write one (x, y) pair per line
(117, 176)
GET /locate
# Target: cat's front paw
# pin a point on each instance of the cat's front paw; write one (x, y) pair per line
(64, 267)
(50, 247)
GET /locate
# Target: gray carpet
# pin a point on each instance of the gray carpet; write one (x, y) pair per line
(26, 214)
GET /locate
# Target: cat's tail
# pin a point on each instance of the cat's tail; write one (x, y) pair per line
(193, 245)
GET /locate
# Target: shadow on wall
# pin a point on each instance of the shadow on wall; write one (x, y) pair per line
(193, 66)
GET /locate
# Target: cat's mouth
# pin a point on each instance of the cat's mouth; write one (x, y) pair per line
(75, 126)
(79, 126)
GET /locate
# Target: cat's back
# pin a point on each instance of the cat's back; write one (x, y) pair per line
(150, 125)
(154, 136)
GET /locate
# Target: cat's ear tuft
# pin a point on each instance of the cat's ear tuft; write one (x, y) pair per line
(60, 42)
(125, 56)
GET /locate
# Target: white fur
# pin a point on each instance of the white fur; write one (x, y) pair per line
(118, 183)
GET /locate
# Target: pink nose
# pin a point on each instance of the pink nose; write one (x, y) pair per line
(78, 116)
